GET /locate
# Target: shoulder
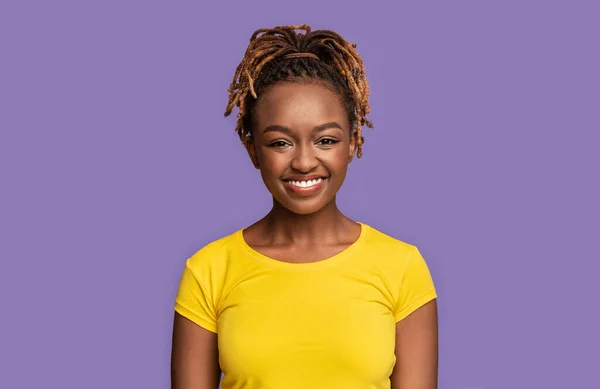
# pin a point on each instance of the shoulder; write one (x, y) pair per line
(387, 245)
(405, 270)
(213, 255)
(392, 255)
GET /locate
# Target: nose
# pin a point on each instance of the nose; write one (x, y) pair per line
(304, 159)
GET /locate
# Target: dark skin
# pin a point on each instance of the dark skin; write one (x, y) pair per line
(303, 130)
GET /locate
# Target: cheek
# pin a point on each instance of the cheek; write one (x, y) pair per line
(271, 162)
(338, 158)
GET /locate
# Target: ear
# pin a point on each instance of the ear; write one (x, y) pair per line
(353, 145)
(251, 149)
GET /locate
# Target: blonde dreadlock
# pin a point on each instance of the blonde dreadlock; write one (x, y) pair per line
(266, 62)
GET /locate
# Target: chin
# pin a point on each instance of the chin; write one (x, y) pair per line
(299, 210)
(299, 205)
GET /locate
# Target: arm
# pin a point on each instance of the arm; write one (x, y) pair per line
(194, 356)
(417, 350)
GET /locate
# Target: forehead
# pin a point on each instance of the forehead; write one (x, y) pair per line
(298, 105)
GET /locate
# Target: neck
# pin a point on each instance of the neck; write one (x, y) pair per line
(287, 227)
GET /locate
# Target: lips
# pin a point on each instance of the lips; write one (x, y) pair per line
(305, 185)
(305, 177)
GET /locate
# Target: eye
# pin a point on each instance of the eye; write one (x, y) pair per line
(278, 144)
(327, 141)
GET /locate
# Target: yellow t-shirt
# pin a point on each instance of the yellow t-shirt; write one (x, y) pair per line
(327, 324)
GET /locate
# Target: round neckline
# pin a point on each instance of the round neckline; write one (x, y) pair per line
(323, 263)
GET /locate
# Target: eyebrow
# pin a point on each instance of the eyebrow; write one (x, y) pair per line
(288, 131)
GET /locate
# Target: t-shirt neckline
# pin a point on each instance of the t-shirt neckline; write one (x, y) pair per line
(327, 262)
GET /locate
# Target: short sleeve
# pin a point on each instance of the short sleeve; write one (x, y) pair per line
(416, 287)
(194, 300)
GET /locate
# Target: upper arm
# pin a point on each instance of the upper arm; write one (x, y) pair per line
(194, 356)
(417, 349)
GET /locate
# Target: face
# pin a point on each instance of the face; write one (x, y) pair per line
(302, 145)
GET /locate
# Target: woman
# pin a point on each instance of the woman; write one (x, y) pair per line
(305, 297)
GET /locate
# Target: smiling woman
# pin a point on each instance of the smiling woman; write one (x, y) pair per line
(301, 134)
(305, 297)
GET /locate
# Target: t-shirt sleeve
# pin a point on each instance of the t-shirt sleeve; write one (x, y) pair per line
(195, 301)
(416, 287)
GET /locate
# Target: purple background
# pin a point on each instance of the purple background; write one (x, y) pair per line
(117, 164)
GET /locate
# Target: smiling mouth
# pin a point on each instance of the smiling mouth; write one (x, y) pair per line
(307, 183)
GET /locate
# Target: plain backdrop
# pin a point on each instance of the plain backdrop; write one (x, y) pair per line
(116, 165)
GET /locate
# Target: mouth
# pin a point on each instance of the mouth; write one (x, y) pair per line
(305, 187)
(306, 183)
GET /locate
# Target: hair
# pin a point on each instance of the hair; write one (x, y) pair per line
(321, 56)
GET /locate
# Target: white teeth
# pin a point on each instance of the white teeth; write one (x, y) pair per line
(306, 184)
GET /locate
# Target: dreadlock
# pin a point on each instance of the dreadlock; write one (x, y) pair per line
(339, 66)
